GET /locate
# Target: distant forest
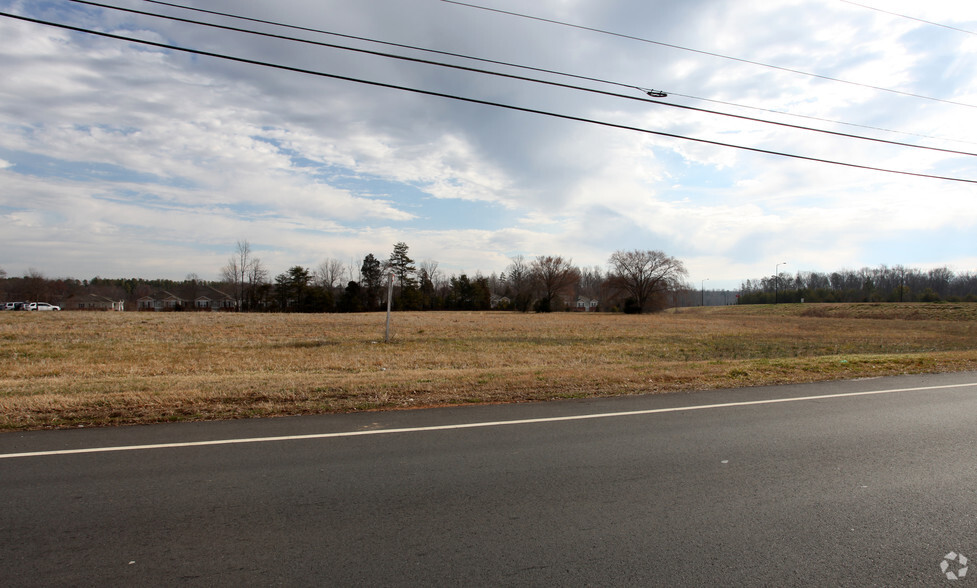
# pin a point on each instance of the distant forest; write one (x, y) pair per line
(635, 281)
(542, 284)
(880, 284)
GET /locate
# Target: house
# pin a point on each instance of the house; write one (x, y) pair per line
(161, 300)
(496, 301)
(214, 300)
(92, 302)
(585, 304)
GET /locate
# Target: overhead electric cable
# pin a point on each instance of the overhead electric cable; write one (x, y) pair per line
(523, 78)
(818, 118)
(709, 53)
(929, 22)
(530, 68)
(388, 43)
(475, 100)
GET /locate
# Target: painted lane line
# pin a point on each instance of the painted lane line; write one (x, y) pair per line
(472, 425)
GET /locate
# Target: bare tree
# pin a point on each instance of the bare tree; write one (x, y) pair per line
(329, 273)
(230, 272)
(427, 275)
(35, 285)
(257, 279)
(430, 267)
(940, 279)
(495, 283)
(554, 276)
(645, 276)
(592, 282)
(245, 273)
(191, 289)
(353, 271)
(519, 283)
(441, 283)
(236, 270)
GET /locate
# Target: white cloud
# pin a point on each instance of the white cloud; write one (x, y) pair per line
(107, 146)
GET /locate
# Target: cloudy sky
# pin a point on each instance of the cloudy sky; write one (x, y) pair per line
(125, 160)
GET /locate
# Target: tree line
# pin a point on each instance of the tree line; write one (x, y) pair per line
(634, 281)
(879, 284)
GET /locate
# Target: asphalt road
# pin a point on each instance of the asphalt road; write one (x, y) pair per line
(856, 490)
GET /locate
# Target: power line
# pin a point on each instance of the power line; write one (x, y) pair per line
(476, 100)
(524, 67)
(523, 78)
(709, 53)
(929, 22)
(388, 43)
(818, 118)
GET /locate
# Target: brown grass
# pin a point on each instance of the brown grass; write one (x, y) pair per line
(94, 369)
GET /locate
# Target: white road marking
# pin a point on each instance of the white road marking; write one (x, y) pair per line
(470, 425)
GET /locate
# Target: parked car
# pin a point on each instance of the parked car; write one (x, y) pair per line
(42, 306)
(15, 306)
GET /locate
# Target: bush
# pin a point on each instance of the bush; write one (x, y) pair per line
(929, 295)
(631, 306)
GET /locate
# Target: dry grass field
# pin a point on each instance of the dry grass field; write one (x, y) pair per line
(72, 369)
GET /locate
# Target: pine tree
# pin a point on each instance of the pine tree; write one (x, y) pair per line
(372, 276)
(402, 266)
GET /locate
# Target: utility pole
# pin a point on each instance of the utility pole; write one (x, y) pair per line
(776, 279)
(390, 296)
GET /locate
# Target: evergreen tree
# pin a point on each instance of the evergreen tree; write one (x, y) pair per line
(402, 265)
(352, 299)
(372, 278)
(292, 288)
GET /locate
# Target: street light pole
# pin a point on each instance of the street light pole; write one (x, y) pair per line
(702, 290)
(776, 279)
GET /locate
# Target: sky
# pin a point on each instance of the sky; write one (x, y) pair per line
(120, 159)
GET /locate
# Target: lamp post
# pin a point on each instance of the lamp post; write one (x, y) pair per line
(702, 291)
(776, 279)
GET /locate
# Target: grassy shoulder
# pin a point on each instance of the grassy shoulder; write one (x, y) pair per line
(96, 369)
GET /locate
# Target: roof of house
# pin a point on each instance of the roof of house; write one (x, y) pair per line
(89, 297)
(162, 295)
(212, 293)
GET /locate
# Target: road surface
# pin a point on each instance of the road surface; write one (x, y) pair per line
(864, 483)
